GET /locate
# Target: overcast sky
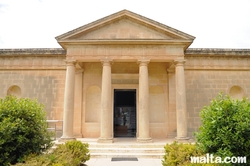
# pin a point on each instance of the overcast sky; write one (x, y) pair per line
(36, 23)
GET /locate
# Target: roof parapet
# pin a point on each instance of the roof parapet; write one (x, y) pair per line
(33, 51)
(217, 52)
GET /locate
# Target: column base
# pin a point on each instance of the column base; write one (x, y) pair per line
(64, 139)
(105, 140)
(144, 140)
(182, 138)
(78, 135)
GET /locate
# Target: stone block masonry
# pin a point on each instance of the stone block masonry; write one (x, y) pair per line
(39, 74)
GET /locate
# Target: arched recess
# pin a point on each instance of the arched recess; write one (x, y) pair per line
(236, 92)
(156, 104)
(14, 90)
(93, 104)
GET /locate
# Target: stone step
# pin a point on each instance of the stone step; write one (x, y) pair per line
(137, 145)
(126, 150)
(138, 155)
(148, 150)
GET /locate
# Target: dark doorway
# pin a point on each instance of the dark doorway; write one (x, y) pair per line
(124, 113)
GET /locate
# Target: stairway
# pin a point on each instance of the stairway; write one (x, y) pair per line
(124, 148)
(127, 149)
(120, 150)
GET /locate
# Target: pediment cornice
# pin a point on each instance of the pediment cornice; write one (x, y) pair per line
(153, 32)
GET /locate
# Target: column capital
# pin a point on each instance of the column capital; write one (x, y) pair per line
(143, 62)
(171, 68)
(179, 62)
(70, 62)
(106, 62)
(79, 71)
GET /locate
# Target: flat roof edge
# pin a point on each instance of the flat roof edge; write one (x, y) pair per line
(217, 51)
(61, 51)
(33, 51)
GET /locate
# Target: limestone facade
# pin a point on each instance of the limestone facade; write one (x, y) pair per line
(126, 52)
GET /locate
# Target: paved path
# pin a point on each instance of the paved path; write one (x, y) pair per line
(108, 162)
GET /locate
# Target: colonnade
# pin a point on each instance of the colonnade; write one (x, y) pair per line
(106, 132)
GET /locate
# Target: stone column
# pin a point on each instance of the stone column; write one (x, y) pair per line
(78, 103)
(68, 113)
(106, 134)
(181, 108)
(143, 102)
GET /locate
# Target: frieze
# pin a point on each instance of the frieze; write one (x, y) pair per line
(125, 81)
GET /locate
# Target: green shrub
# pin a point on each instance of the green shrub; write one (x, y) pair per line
(225, 129)
(178, 154)
(23, 129)
(36, 160)
(72, 153)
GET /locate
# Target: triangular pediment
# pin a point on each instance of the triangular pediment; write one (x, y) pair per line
(124, 25)
(122, 29)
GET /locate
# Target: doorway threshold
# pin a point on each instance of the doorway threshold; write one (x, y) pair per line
(125, 140)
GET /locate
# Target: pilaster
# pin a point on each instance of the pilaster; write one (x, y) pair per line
(78, 102)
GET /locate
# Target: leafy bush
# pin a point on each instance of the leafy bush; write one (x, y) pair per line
(179, 154)
(23, 129)
(72, 153)
(225, 129)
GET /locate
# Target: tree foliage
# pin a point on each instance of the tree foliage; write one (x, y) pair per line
(225, 129)
(23, 129)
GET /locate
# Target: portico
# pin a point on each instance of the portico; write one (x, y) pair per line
(125, 49)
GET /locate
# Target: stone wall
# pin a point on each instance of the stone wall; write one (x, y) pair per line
(158, 100)
(44, 85)
(206, 76)
(92, 79)
(37, 74)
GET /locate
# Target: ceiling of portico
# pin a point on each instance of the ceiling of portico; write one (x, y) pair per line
(125, 27)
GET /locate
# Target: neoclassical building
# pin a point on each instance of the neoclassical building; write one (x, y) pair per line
(125, 75)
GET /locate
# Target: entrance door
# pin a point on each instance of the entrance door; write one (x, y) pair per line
(124, 113)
